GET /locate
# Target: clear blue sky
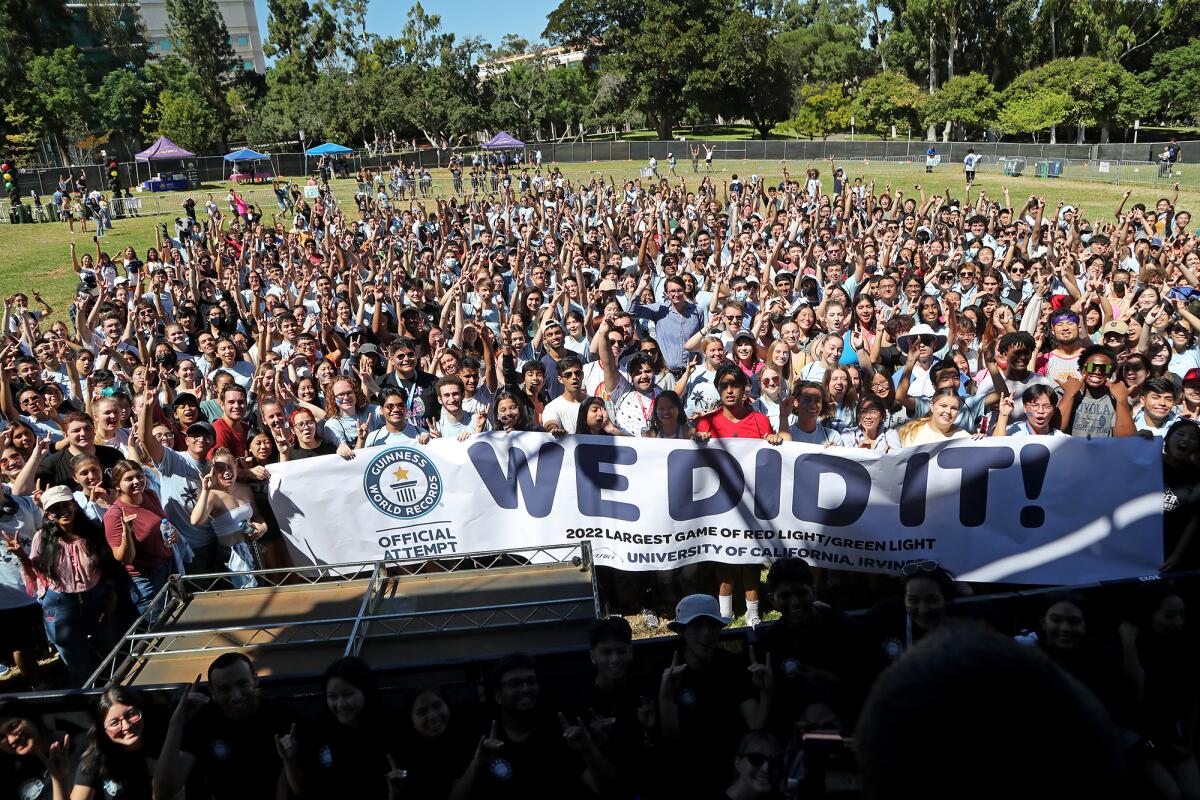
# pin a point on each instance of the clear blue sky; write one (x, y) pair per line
(486, 18)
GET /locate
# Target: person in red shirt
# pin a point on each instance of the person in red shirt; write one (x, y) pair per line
(231, 428)
(133, 528)
(735, 419)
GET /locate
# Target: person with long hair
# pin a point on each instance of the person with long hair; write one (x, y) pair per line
(509, 413)
(68, 569)
(347, 413)
(432, 749)
(351, 750)
(593, 419)
(133, 528)
(772, 390)
(940, 425)
(37, 758)
(122, 746)
(840, 398)
(928, 592)
(668, 420)
(228, 505)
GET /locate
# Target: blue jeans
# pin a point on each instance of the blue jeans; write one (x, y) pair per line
(70, 619)
(143, 587)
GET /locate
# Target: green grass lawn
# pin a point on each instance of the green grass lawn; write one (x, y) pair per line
(39, 257)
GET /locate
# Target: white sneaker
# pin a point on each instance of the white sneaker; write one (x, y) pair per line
(754, 621)
(649, 618)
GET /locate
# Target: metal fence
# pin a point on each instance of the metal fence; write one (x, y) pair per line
(1122, 164)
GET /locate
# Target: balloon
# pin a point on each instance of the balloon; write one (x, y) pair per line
(113, 173)
(8, 176)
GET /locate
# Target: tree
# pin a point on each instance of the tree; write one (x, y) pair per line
(887, 99)
(1101, 92)
(520, 96)
(1171, 80)
(199, 33)
(964, 100)
(57, 87)
(824, 53)
(119, 103)
(1034, 113)
(751, 73)
(187, 119)
(668, 45)
(511, 44)
(821, 110)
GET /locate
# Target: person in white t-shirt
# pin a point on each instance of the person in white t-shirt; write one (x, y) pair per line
(561, 414)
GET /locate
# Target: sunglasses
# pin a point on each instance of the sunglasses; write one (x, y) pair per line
(571, 373)
(917, 567)
(728, 385)
(1095, 368)
(756, 760)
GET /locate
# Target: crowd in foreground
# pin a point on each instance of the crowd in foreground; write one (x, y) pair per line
(139, 430)
(814, 704)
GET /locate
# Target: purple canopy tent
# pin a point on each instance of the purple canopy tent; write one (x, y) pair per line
(503, 141)
(162, 150)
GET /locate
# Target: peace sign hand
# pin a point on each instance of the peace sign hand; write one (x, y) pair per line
(761, 674)
(489, 745)
(12, 542)
(672, 677)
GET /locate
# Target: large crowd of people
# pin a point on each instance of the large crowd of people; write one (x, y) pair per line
(139, 428)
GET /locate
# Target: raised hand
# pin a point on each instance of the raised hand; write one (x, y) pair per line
(761, 674)
(286, 745)
(672, 677)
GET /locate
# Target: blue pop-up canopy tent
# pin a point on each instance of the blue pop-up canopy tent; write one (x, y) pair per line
(503, 141)
(246, 154)
(328, 149)
(243, 155)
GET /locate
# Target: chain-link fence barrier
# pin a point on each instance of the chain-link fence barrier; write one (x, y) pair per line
(1120, 164)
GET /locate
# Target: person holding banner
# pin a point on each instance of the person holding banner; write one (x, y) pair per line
(940, 425)
(1097, 405)
(735, 419)
(808, 401)
(1038, 402)
(397, 429)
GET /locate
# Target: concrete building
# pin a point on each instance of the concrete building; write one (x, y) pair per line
(240, 19)
(555, 57)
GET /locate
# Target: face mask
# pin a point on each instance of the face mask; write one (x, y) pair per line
(740, 295)
(1119, 285)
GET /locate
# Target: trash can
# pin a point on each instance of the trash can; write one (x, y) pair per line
(26, 214)
(1042, 169)
(1054, 168)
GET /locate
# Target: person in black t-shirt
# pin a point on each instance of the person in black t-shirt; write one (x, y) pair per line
(818, 652)
(621, 718)
(35, 761)
(80, 430)
(230, 743)
(709, 699)
(123, 746)
(349, 751)
(525, 753)
(434, 752)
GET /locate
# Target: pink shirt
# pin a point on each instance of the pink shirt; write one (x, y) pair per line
(77, 568)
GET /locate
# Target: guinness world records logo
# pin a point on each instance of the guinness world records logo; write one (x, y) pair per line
(403, 483)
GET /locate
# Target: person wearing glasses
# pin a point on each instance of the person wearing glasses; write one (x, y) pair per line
(122, 746)
(347, 413)
(675, 321)
(404, 374)
(397, 429)
(1040, 406)
(1098, 404)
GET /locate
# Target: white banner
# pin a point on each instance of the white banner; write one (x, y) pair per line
(1023, 510)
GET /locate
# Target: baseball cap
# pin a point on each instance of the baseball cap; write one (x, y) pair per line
(1192, 376)
(201, 428)
(1115, 326)
(57, 494)
(185, 399)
